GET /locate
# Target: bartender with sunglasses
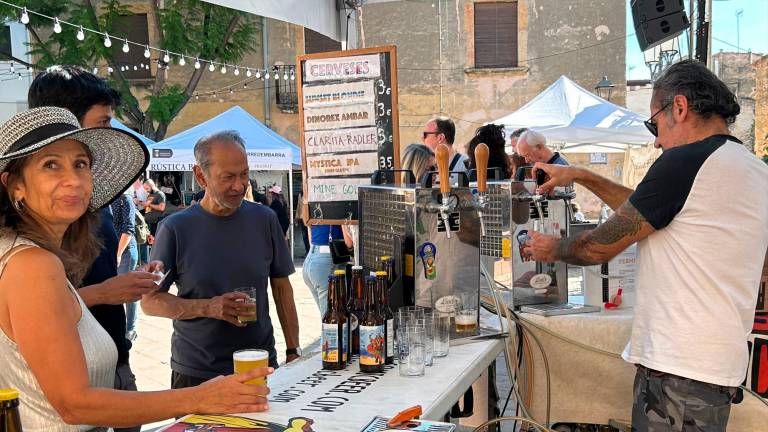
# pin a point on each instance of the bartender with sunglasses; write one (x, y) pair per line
(699, 220)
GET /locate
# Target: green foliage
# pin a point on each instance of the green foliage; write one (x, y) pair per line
(191, 27)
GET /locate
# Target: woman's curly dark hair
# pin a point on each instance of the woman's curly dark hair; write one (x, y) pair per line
(494, 137)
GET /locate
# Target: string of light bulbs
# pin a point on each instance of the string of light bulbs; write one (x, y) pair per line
(167, 55)
(275, 73)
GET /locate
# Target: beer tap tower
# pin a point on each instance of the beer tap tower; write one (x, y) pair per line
(433, 233)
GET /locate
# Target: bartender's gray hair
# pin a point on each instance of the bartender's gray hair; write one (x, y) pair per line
(203, 146)
(533, 139)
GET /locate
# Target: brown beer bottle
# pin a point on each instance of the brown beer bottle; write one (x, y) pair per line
(382, 292)
(342, 298)
(10, 421)
(333, 329)
(372, 333)
(356, 309)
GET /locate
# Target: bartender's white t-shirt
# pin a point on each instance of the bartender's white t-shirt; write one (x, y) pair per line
(699, 272)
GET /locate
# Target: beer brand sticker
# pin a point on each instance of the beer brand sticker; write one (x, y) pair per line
(541, 280)
(447, 304)
(338, 94)
(342, 140)
(336, 165)
(330, 347)
(353, 67)
(372, 345)
(338, 117)
(333, 189)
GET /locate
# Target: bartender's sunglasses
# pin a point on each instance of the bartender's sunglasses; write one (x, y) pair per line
(651, 124)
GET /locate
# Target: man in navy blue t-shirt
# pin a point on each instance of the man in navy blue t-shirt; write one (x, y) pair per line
(210, 250)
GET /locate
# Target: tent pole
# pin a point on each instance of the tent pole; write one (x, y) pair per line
(290, 206)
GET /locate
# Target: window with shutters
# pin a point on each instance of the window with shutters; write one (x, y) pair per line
(5, 42)
(133, 64)
(495, 35)
(315, 42)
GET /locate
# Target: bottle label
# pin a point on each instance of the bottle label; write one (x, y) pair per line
(372, 345)
(447, 304)
(390, 337)
(345, 332)
(330, 348)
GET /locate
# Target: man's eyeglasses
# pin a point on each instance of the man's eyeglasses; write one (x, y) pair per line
(651, 125)
(425, 134)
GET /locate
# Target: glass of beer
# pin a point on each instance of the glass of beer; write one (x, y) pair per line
(249, 359)
(250, 301)
(466, 313)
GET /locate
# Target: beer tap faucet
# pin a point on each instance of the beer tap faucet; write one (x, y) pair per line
(446, 206)
(481, 203)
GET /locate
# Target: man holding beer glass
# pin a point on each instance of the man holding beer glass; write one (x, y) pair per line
(212, 251)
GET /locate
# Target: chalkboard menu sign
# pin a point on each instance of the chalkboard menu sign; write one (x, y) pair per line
(349, 127)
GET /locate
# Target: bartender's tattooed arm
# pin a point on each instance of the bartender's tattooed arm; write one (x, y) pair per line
(599, 245)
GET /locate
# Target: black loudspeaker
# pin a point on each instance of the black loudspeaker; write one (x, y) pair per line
(658, 21)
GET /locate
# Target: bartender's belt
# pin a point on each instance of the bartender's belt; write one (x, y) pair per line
(654, 373)
(321, 249)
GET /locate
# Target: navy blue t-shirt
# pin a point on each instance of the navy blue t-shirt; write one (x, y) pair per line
(111, 317)
(321, 233)
(208, 256)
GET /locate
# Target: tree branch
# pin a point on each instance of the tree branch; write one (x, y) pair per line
(159, 77)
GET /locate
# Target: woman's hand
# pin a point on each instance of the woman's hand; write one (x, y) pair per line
(230, 395)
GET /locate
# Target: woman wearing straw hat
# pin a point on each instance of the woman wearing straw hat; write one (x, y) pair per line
(54, 175)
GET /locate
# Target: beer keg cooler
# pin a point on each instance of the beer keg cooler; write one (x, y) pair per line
(433, 234)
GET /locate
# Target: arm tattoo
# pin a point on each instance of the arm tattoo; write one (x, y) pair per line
(581, 250)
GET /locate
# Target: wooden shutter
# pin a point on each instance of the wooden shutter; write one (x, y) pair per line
(315, 42)
(134, 27)
(496, 35)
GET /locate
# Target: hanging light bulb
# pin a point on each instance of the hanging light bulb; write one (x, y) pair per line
(147, 54)
(122, 68)
(29, 68)
(126, 48)
(285, 76)
(237, 71)
(24, 16)
(231, 91)
(258, 74)
(293, 76)
(223, 69)
(95, 71)
(12, 68)
(197, 63)
(245, 85)
(110, 70)
(211, 67)
(135, 68)
(182, 62)
(19, 76)
(166, 57)
(107, 40)
(248, 72)
(197, 97)
(266, 75)
(80, 34)
(56, 26)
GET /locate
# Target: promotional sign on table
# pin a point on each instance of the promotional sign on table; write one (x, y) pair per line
(349, 126)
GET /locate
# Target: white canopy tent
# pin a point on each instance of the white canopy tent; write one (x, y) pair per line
(569, 115)
(266, 149)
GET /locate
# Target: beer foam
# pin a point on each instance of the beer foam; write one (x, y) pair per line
(466, 319)
(250, 355)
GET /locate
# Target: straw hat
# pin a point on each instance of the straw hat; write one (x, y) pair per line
(118, 157)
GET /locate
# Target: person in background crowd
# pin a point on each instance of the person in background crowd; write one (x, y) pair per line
(533, 147)
(419, 159)
(299, 220)
(258, 196)
(139, 195)
(280, 207)
(53, 177)
(212, 249)
(511, 149)
(154, 205)
(124, 216)
(441, 130)
(104, 291)
(493, 136)
(694, 259)
(516, 162)
(319, 262)
(197, 197)
(576, 214)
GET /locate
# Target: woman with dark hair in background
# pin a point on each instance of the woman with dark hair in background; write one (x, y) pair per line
(280, 207)
(494, 137)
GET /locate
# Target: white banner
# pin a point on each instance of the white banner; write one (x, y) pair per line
(347, 164)
(184, 159)
(332, 189)
(338, 94)
(360, 139)
(339, 117)
(342, 68)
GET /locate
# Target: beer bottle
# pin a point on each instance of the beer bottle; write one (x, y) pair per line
(372, 343)
(387, 264)
(341, 280)
(356, 309)
(333, 332)
(387, 315)
(10, 421)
